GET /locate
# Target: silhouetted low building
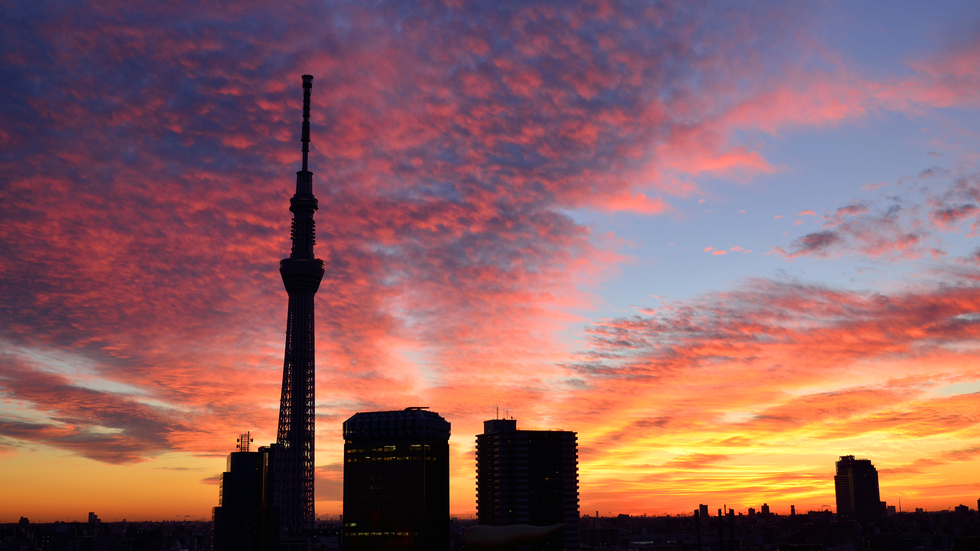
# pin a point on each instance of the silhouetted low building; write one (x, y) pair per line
(396, 481)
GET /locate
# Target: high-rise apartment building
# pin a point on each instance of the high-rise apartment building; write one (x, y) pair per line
(856, 484)
(528, 477)
(396, 481)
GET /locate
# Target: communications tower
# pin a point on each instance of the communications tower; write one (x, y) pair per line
(301, 275)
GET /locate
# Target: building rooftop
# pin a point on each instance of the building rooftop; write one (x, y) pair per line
(407, 423)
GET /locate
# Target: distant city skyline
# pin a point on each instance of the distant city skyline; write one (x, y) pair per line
(725, 244)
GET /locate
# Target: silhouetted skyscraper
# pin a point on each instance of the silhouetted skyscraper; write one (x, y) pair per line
(856, 483)
(396, 481)
(301, 275)
(245, 519)
(528, 477)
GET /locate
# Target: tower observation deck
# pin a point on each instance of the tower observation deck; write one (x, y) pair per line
(301, 275)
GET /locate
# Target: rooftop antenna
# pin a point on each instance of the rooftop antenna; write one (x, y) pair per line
(243, 441)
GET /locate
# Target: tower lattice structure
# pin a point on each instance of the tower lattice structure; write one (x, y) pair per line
(301, 275)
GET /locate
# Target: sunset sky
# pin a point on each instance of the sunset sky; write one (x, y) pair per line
(724, 242)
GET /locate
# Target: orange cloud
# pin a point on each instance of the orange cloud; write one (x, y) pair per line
(811, 372)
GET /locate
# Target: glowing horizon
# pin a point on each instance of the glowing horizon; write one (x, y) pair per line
(725, 244)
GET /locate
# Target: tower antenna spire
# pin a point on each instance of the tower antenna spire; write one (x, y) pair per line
(307, 85)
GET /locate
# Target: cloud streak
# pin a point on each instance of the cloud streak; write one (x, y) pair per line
(904, 226)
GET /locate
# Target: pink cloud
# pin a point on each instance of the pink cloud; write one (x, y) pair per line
(948, 217)
(638, 203)
(441, 218)
(721, 333)
(898, 231)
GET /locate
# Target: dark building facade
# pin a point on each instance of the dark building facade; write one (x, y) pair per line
(396, 481)
(301, 274)
(245, 518)
(528, 477)
(856, 484)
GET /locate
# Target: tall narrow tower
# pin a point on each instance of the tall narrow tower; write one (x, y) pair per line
(301, 275)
